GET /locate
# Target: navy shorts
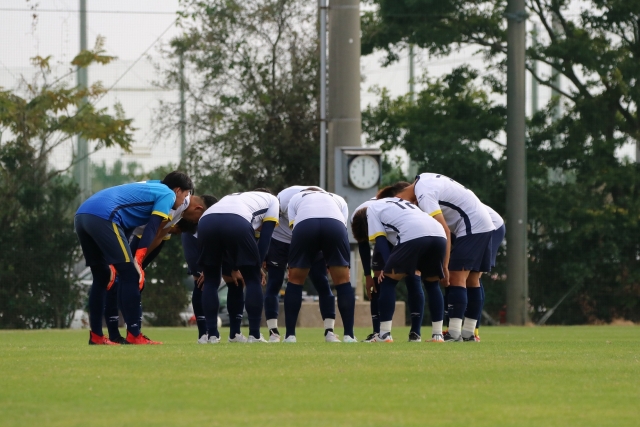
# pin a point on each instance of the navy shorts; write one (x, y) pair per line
(102, 241)
(319, 234)
(425, 254)
(471, 252)
(278, 254)
(227, 239)
(496, 241)
(377, 262)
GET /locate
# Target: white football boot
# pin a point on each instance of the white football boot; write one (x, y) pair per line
(331, 337)
(239, 338)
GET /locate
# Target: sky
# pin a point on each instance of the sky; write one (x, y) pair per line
(135, 31)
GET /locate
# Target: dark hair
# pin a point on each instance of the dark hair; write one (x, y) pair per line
(392, 190)
(360, 226)
(187, 226)
(209, 200)
(177, 179)
(313, 188)
(263, 190)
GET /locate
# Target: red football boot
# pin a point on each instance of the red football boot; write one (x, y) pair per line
(140, 339)
(95, 339)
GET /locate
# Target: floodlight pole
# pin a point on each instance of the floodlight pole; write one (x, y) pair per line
(82, 166)
(183, 137)
(322, 8)
(517, 280)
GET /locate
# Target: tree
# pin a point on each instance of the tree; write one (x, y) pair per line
(581, 195)
(251, 91)
(38, 287)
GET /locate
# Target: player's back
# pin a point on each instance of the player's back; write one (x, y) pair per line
(282, 232)
(463, 212)
(402, 220)
(254, 206)
(130, 205)
(317, 204)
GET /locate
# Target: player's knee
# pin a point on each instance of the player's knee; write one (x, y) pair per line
(297, 276)
(340, 274)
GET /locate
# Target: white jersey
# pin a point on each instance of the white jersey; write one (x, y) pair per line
(392, 235)
(402, 220)
(254, 206)
(495, 217)
(461, 208)
(283, 232)
(317, 204)
(175, 215)
(362, 206)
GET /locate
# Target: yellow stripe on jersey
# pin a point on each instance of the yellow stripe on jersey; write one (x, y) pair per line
(161, 214)
(434, 213)
(124, 249)
(291, 224)
(276, 220)
(372, 238)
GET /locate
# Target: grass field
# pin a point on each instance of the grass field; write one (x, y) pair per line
(551, 376)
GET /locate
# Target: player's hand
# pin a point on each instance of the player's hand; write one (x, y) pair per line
(237, 278)
(264, 277)
(370, 284)
(381, 277)
(445, 282)
(139, 257)
(200, 281)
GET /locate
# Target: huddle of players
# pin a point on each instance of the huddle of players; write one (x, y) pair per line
(304, 229)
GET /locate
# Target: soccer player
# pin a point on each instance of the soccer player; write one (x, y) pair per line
(192, 209)
(420, 250)
(276, 262)
(469, 229)
(318, 220)
(226, 234)
(100, 223)
(413, 283)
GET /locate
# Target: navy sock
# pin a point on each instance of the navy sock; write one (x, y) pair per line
(375, 311)
(457, 302)
(445, 319)
(292, 303)
(474, 303)
(235, 307)
(129, 296)
(387, 299)
(101, 275)
(210, 301)
(111, 312)
(275, 276)
(196, 302)
(436, 301)
(347, 306)
(415, 301)
(254, 299)
(326, 299)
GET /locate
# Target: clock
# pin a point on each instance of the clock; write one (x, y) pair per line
(364, 172)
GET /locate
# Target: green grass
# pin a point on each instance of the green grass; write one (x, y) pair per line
(551, 376)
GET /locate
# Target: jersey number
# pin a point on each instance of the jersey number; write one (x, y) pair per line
(400, 204)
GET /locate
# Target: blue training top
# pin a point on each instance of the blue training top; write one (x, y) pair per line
(130, 205)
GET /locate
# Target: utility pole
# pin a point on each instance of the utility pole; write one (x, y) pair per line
(517, 285)
(534, 73)
(344, 80)
(82, 167)
(183, 138)
(322, 9)
(412, 94)
(556, 78)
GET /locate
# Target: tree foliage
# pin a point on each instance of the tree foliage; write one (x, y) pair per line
(251, 88)
(583, 204)
(38, 287)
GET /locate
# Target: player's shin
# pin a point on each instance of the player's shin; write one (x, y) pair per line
(210, 300)
(275, 277)
(196, 302)
(101, 275)
(129, 296)
(436, 306)
(474, 309)
(456, 307)
(415, 301)
(292, 304)
(254, 299)
(347, 306)
(387, 304)
(235, 306)
(111, 312)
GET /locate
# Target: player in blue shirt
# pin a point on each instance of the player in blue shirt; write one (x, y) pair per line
(102, 223)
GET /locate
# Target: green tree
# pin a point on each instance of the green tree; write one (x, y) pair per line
(103, 177)
(251, 90)
(583, 204)
(38, 287)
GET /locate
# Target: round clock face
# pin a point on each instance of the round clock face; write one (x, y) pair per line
(364, 172)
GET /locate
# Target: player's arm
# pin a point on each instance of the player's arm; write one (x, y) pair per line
(160, 235)
(365, 257)
(440, 218)
(269, 223)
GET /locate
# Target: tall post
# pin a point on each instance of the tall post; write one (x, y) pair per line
(411, 73)
(322, 8)
(556, 78)
(82, 167)
(183, 138)
(344, 80)
(517, 285)
(534, 73)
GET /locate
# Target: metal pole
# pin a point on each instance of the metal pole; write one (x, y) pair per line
(517, 286)
(344, 85)
(556, 78)
(411, 73)
(534, 82)
(322, 5)
(82, 171)
(183, 139)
